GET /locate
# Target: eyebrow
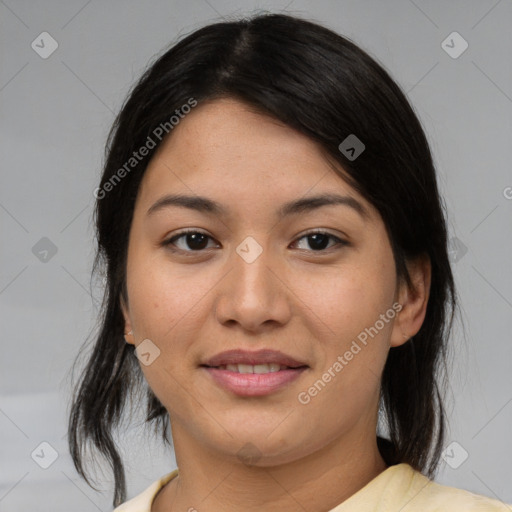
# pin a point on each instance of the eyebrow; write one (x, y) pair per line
(303, 205)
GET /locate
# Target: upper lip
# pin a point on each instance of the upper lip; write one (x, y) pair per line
(264, 356)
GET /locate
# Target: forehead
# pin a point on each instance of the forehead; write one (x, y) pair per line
(228, 131)
(223, 149)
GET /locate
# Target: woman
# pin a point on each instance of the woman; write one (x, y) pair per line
(274, 357)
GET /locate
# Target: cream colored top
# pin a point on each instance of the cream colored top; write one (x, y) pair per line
(399, 488)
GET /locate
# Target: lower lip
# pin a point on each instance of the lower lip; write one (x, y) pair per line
(254, 384)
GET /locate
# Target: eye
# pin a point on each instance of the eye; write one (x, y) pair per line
(195, 240)
(318, 240)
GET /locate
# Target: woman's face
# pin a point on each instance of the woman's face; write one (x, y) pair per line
(251, 279)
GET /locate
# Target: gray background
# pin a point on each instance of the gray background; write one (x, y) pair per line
(55, 114)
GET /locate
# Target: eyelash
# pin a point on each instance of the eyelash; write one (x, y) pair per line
(170, 242)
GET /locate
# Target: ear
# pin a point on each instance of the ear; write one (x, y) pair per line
(128, 331)
(414, 301)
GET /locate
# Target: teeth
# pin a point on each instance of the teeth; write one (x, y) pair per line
(266, 368)
(249, 368)
(245, 368)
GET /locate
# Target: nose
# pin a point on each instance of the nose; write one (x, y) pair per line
(254, 294)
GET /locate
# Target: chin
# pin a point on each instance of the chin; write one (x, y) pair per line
(257, 449)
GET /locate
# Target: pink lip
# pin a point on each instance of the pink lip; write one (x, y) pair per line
(263, 356)
(253, 384)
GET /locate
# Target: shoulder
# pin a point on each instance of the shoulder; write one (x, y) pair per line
(143, 501)
(401, 488)
(425, 494)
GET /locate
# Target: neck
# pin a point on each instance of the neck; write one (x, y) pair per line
(319, 481)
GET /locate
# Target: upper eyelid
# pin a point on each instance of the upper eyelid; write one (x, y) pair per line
(298, 237)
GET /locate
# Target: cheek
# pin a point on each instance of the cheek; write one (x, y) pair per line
(162, 296)
(349, 300)
(161, 309)
(166, 304)
(348, 303)
(346, 382)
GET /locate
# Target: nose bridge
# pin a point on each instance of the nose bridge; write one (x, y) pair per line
(252, 278)
(251, 294)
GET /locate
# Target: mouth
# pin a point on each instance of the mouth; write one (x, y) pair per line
(245, 373)
(260, 361)
(256, 368)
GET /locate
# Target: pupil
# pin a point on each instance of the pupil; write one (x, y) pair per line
(316, 244)
(194, 241)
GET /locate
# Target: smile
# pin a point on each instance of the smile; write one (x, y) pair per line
(253, 380)
(256, 368)
(253, 373)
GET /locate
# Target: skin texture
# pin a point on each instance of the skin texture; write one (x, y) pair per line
(310, 304)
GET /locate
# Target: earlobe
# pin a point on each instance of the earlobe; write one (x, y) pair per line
(414, 302)
(128, 334)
